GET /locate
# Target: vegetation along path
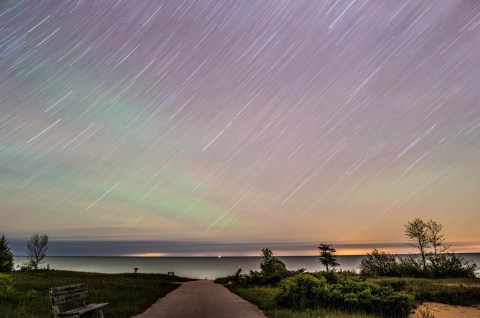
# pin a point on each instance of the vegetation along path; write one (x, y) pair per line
(202, 298)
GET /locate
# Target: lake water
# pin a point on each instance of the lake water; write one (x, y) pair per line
(192, 267)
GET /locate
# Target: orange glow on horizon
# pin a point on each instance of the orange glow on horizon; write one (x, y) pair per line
(458, 248)
(147, 255)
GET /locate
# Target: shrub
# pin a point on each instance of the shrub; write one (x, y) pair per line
(330, 276)
(411, 266)
(446, 265)
(397, 284)
(307, 291)
(301, 291)
(272, 271)
(451, 265)
(6, 284)
(379, 264)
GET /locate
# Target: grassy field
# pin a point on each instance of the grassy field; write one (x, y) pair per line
(128, 294)
(263, 297)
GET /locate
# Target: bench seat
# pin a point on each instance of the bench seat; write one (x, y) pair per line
(82, 310)
(73, 294)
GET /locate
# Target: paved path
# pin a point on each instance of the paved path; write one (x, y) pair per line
(202, 299)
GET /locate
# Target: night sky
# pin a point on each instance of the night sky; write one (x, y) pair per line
(269, 122)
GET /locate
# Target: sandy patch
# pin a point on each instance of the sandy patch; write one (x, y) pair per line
(447, 311)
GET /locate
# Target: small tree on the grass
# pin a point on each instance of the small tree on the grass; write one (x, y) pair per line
(272, 268)
(327, 257)
(6, 257)
(417, 231)
(436, 237)
(37, 249)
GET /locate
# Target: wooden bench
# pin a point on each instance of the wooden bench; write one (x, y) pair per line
(73, 293)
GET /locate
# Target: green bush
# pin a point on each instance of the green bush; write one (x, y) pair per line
(447, 265)
(451, 265)
(397, 284)
(379, 263)
(306, 291)
(302, 291)
(272, 271)
(6, 284)
(330, 276)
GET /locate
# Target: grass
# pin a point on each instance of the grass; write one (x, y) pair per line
(458, 291)
(128, 294)
(452, 291)
(263, 297)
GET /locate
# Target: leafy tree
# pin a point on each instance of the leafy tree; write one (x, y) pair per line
(6, 257)
(417, 231)
(326, 256)
(37, 249)
(272, 266)
(272, 270)
(267, 256)
(435, 236)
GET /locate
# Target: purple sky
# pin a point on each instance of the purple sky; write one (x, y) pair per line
(270, 122)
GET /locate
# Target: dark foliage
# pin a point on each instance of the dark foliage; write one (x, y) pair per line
(397, 284)
(447, 265)
(37, 248)
(379, 263)
(272, 271)
(327, 257)
(6, 257)
(306, 291)
(450, 265)
(453, 294)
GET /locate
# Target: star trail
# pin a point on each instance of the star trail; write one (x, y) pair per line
(283, 122)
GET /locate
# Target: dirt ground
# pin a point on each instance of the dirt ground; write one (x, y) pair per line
(447, 311)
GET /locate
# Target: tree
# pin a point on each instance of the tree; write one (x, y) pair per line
(272, 269)
(435, 236)
(326, 256)
(37, 249)
(267, 256)
(417, 231)
(6, 257)
(272, 266)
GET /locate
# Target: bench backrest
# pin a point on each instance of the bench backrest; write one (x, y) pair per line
(65, 294)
